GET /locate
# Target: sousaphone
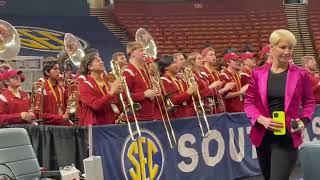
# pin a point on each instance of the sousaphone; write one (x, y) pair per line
(9, 41)
(74, 49)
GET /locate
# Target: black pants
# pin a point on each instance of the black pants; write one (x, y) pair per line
(276, 156)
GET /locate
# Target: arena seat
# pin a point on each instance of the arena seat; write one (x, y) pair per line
(228, 21)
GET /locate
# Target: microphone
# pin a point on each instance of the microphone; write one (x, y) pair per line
(296, 125)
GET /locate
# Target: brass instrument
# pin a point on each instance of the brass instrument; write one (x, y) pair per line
(75, 52)
(9, 41)
(73, 48)
(220, 101)
(73, 99)
(144, 37)
(132, 107)
(37, 98)
(189, 77)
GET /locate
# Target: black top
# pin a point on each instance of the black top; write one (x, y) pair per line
(276, 91)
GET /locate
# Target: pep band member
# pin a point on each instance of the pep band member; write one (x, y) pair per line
(249, 63)
(14, 103)
(310, 64)
(99, 99)
(180, 94)
(234, 97)
(139, 83)
(279, 86)
(209, 56)
(54, 95)
(195, 63)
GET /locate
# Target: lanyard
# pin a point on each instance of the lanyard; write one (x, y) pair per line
(215, 75)
(99, 86)
(54, 93)
(178, 85)
(142, 76)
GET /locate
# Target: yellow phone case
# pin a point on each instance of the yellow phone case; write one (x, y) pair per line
(280, 117)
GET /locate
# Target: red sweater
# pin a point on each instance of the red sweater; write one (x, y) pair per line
(97, 107)
(179, 97)
(11, 107)
(54, 104)
(233, 104)
(315, 86)
(245, 75)
(138, 82)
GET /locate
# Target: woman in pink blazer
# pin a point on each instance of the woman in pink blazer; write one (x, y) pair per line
(279, 86)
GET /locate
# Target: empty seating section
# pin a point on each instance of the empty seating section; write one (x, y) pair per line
(177, 26)
(314, 23)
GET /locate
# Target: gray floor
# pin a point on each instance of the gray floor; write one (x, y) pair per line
(297, 174)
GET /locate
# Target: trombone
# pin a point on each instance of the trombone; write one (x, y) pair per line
(167, 104)
(189, 77)
(116, 71)
(146, 39)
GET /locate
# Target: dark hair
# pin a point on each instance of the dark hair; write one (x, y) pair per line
(164, 62)
(47, 66)
(89, 56)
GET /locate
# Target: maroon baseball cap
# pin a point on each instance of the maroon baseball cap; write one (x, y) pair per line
(230, 56)
(247, 55)
(9, 74)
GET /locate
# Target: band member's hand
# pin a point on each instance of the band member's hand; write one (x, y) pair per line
(230, 85)
(244, 89)
(269, 123)
(65, 117)
(27, 116)
(192, 89)
(115, 87)
(215, 85)
(151, 93)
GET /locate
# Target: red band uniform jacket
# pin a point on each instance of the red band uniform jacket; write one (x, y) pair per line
(233, 104)
(97, 107)
(179, 96)
(11, 107)
(138, 82)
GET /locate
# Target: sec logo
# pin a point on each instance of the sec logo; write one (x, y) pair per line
(42, 39)
(142, 159)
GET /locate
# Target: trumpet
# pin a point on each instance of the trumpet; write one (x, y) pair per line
(189, 77)
(37, 99)
(132, 107)
(156, 83)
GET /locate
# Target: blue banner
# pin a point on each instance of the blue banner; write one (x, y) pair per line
(43, 36)
(225, 154)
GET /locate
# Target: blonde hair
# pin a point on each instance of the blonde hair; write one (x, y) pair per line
(306, 59)
(279, 34)
(191, 59)
(132, 46)
(116, 55)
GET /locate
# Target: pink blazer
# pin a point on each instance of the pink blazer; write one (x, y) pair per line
(298, 93)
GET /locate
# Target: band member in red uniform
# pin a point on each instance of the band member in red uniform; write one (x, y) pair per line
(121, 59)
(53, 95)
(179, 93)
(99, 100)
(14, 103)
(196, 63)
(264, 55)
(209, 71)
(310, 64)
(234, 98)
(249, 62)
(139, 83)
